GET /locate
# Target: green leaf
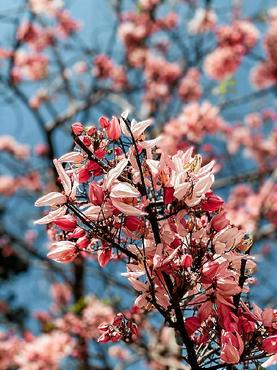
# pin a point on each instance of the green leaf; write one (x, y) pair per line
(225, 87)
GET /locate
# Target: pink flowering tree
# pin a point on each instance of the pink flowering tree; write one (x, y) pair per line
(142, 248)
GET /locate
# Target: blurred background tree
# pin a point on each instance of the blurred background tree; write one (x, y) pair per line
(205, 71)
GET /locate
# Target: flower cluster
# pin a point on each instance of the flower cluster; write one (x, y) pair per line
(136, 27)
(264, 73)
(190, 88)
(251, 136)
(195, 122)
(233, 42)
(34, 353)
(105, 68)
(125, 197)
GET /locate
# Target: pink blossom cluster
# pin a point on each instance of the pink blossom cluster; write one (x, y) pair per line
(160, 77)
(136, 28)
(34, 353)
(105, 68)
(190, 88)
(32, 64)
(264, 74)
(44, 352)
(191, 125)
(120, 329)
(66, 24)
(184, 258)
(251, 137)
(10, 145)
(36, 37)
(245, 206)
(233, 42)
(85, 324)
(9, 347)
(29, 66)
(9, 185)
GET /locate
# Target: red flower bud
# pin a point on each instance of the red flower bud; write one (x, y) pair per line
(91, 130)
(118, 151)
(77, 128)
(113, 130)
(100, 153)
(104, 256)
(86, 140)
(66, 223)
(186, 260)
(132, 223)
(83, 242)
(219, 221)
(77, 233)
(95, 194)
(212, 202)
(270, 344)
(104, 122)
(93, 166)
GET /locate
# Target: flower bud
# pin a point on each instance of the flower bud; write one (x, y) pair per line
(270, 344)
(132, 223)
(86, 140)
(219, 222)
(77, 128)
(77, 233)
(66, 223)
(95, 194)
(186, 260)
(212, 202)
(104, 122)
(104, 256)
(83, 242)
(91, 130)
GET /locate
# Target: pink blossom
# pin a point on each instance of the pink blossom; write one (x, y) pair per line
(77, 128)
(231, 347)
(240, 33)
(112, 127)
(190, 88)
(212, 202)
(66, 223)
(10, 145)
(222, 63)
(63, 251)
(263, 75)
(66, 24)
(30, 66)
(96, 194)
(220, 221)
(47, 350)
(270, 344)
(271, 45)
